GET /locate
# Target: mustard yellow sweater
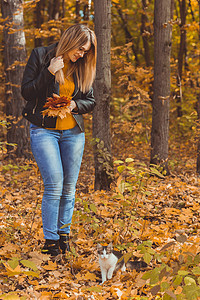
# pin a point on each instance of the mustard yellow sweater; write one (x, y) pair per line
(66, 89)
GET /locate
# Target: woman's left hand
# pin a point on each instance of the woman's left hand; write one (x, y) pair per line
(72, 105)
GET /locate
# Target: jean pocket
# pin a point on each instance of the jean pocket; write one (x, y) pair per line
(32, 126)
(35, 130)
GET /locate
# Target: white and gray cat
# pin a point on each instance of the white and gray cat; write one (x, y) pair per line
(109, 260)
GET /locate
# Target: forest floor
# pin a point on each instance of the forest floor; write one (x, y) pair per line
(152, 218)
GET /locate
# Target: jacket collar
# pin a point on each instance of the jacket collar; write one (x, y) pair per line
(50, 52)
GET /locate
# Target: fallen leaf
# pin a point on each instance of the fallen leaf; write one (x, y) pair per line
(51, 266)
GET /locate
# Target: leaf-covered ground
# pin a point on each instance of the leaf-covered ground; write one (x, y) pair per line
(153, 218)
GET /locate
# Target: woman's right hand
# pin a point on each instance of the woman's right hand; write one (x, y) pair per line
(56, 64)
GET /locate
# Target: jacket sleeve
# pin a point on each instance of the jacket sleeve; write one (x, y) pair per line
(86, 103)
(34, 78)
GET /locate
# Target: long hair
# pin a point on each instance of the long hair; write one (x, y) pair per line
(75, 37)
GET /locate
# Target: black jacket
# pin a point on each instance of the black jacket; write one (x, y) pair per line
(38, 84)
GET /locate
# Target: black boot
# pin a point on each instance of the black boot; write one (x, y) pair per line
(64, 242)
(51, 247)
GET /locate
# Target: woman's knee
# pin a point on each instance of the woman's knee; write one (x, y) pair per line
(54, 183)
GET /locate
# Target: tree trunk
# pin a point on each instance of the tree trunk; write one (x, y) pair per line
(54, 9)
(160, 115)
(198, 134)
(63, 8)
(198, 111)
(145, 32)
(86, 12)
(78, 17)
(14, 59)
(102, 90)
(128, 35)
(54, 13)
(39, 19)
(181, 55)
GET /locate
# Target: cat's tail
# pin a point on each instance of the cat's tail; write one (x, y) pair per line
(136, 265)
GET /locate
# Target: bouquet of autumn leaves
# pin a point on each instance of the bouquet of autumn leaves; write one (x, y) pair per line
(57, 106)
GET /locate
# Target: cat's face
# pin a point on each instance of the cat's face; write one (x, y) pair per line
(104, 251)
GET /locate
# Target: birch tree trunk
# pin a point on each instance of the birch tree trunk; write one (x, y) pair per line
(102, 90)
(14, 60)
(161, 96)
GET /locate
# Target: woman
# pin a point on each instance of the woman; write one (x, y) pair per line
(66, 68)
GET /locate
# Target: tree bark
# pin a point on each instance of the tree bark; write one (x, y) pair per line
(102, 90)
(128, 35)
(145, 38)
(54, 9)
(181, 54)
(198, 111)
(198, 134)
(160, 115)
(86, 12)
(39, 19)
(78, 17)
(63, 8)
(14, 60)
(54, 13)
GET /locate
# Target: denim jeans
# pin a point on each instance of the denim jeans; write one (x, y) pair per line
(58, 154)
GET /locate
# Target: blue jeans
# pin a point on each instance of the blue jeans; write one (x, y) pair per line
(58, 154)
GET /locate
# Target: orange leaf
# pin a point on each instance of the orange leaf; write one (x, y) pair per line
(51, 266)
(10, 271)
(57, 106)
(90, 276)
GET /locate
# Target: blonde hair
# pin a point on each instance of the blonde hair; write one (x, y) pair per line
(75, 37)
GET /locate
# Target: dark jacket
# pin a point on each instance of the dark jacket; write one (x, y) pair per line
(38, 84)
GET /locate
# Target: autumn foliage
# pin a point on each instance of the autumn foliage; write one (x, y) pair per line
(145, 214)
(57, 106)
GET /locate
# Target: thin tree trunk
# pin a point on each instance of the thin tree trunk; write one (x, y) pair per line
(39, 19)
(181, 55)
(86, 12)
(198, 110)
(63, 9)
(78, 17)
(128, 35)
(172, 9)
(14, 56)
(54, 12)
(54, 9)
(144, 32)
(160, 116)
(198, 134)
(102, 89)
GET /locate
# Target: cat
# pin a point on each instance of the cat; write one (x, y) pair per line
(109, 261)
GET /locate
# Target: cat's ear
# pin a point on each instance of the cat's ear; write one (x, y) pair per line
(99, 247)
